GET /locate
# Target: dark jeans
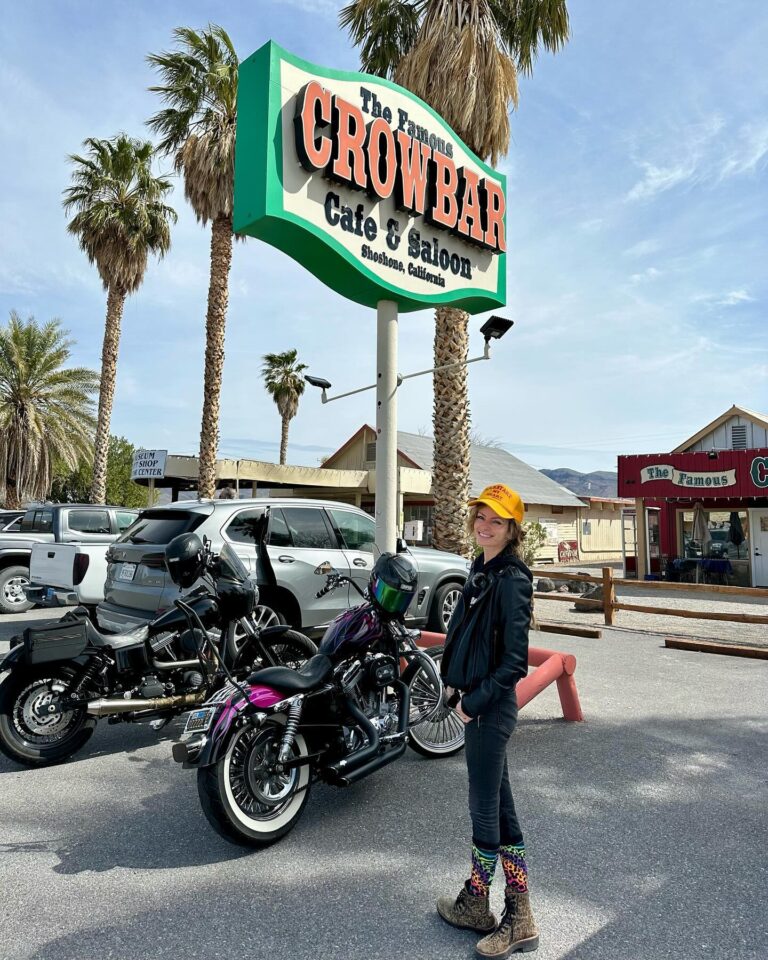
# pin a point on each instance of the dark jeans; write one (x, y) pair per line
(491, 805)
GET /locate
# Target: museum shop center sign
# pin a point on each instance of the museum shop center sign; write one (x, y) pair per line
(366, 186)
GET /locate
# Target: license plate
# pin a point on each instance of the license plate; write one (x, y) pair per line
(127, 571)
(199, 720)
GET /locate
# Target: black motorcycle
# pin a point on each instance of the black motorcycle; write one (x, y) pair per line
(259, 745)
(65, 675)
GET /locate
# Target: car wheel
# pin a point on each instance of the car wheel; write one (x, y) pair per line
(12, 596)
(265, 616)
(443, 605)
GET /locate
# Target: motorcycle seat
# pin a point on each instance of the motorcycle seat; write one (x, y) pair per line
(115, 640)
(313, 673)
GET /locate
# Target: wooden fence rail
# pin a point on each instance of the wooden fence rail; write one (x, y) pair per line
(610, 604)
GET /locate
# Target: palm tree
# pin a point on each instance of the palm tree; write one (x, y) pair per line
(120, 218)
(198, 128)
(463, 58)
(46, 409)
(283, 380)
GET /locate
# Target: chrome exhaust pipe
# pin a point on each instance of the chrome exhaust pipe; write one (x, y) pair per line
(105, 707)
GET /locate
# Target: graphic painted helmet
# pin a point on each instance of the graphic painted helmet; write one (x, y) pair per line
(357, 628)
(393, 583)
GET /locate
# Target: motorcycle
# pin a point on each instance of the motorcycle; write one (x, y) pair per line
(66, 675)
(352, 709)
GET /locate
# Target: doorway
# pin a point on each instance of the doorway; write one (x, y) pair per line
(758, 530)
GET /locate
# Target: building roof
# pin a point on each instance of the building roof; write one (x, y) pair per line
(494, 465)
(734, 411)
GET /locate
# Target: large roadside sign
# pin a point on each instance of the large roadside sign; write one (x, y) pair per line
(148, 464)
(366, 186)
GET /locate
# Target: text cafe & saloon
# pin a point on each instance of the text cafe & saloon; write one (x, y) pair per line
(699, 515)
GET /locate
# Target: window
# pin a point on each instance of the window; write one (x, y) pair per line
(357, 532)
(279, 534)
(37, 521)
(89, 521)
(309, 528)
(727, 535)
(557, 509)
(370, 452)
(124, 519)
(14, 526)
(244, 527)
(161, 526)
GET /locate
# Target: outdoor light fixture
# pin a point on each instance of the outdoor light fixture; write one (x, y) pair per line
(493, 329)
(712, 454)
(319, 382)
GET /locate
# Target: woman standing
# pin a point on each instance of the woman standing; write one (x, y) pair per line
(486, 653)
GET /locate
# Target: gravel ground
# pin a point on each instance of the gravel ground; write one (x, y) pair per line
(722, 630)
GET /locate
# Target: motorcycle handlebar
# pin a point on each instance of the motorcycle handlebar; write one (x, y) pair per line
(335, 580)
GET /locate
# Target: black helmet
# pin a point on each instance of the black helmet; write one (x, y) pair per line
(185, 559)
(393, 583)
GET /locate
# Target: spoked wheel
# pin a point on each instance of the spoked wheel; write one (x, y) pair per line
(34, 729)
(434, 730)
(290, 649)
(244, 798)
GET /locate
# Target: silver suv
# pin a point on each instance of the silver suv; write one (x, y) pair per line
(287, 544)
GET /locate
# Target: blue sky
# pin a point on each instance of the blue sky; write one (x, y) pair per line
(636, 228)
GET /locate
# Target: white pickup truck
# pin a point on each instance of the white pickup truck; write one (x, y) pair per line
(67, 573)
(46, 528)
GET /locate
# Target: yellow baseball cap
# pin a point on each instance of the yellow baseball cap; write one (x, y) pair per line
(501, 500)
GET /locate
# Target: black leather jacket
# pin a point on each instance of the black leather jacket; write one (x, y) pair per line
(486, 650)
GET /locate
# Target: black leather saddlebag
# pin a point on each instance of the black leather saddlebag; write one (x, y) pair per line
(55, 640)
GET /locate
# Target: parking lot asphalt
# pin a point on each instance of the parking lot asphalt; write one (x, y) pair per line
(645, 827)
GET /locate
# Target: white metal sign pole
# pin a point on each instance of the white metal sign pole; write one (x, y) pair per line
(386, 425)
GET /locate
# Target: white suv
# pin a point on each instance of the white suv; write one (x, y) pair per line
(287, 544)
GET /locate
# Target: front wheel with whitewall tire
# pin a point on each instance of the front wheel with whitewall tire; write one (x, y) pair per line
(13, 581)
(443, 605)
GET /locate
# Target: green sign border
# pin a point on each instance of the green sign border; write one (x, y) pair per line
(258, 202)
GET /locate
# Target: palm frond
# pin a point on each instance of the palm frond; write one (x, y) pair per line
(459, 66)
(46, 409)
(197, 125)
(120, 217)
(527, 25)
(384, 30)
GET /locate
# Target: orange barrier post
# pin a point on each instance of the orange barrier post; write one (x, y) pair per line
(551, 666)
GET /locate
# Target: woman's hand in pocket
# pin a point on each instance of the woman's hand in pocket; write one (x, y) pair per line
(461, 715)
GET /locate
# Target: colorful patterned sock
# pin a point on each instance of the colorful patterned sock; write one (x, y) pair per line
(514, 866)
(483, 869)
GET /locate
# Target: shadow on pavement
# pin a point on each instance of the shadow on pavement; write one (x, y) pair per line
(643, 834)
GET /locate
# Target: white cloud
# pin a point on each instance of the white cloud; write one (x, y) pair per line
(659, 179)
(732, 299)
(650, 274)
(749, 152)
(707, 152)
(642, 248)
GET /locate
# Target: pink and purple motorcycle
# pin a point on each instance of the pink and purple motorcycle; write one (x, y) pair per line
(258, 746)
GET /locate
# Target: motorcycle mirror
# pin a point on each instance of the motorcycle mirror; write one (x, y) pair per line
(401, 546)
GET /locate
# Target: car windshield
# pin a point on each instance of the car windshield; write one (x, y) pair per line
(231, 566)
